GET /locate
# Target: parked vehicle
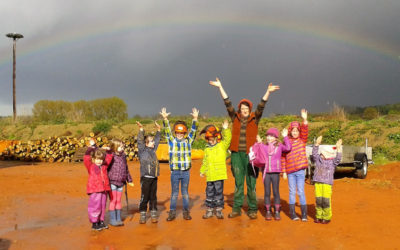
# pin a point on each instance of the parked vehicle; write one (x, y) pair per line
(353, 157)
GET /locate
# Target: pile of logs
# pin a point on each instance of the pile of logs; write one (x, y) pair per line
(60, 149)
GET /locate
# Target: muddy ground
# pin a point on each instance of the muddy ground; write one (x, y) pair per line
(44, 206)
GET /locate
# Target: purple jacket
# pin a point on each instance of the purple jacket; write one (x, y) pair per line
(273, 165)
(118, 171)
(324, 168)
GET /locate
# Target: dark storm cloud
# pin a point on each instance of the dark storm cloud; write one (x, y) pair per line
(170, 65)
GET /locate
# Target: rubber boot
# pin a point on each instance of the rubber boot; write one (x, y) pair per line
(119, 221)
(142, 219)
(113, 218)
(277, 212)
(268, 214)
(186, 215)
(209, 213)
(218, 213)
(154, 217)
(292, 212)
(304, 213)
(171, 215)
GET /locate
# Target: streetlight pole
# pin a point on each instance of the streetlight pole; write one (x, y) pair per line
(15, 37)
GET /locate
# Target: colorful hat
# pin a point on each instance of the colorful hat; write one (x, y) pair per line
(328, 152)
(273, 132)
(180, 127)
(211, 131)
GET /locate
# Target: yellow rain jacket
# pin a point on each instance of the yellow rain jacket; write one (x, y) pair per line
(214, 161)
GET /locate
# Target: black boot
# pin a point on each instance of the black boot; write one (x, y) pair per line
(292, 212)
(304, 213)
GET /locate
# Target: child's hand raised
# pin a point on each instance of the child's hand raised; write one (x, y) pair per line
(164, 113)
(202, 175)
(304, 114)
(284, 132)
(158, 127)
(225, 125)
(216, 83)
(258, 138)
(139, 125)
(195, 113)
(339, 143)
(318, 141)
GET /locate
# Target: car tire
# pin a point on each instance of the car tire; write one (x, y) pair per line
(361, 172)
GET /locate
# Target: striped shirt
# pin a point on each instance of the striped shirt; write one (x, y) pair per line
(296, 159)
(180, 151)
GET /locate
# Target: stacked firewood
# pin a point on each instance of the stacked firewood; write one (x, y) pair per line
(61, 149)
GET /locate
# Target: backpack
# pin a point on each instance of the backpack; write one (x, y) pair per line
(257, 155)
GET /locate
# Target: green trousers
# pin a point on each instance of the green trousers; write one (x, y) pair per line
(323, 197)
(241, 171)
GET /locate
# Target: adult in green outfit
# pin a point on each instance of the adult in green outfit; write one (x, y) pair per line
(244, 133)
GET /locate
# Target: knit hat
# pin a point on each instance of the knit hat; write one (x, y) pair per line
(273, 132)
(245, 101)
(293, 125)
(328, 152)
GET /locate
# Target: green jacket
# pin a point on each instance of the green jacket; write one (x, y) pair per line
(214, 161)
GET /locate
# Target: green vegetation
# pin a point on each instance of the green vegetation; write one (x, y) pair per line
(59, 112)
(102, 127)
(59, 118)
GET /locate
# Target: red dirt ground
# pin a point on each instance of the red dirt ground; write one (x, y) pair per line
(44, 206)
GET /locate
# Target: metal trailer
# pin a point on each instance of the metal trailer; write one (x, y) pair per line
(353, 157)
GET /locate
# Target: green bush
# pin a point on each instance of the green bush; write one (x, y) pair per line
(102, 127)
(59, 112)
(394, 137)
(199, 144)
(332, 135)
(370, 113)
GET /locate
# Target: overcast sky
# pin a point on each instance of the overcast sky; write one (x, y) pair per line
(163, 53)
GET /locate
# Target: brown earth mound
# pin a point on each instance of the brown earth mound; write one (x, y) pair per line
(44, 206)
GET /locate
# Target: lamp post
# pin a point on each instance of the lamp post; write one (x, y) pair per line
(15, 37)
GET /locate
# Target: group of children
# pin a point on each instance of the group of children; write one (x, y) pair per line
(108, 171)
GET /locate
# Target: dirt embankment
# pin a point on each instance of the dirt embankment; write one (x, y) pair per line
(44, 206)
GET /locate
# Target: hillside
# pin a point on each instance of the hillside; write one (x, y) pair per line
(383, 133)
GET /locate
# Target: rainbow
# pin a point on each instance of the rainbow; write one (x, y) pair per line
(41, 45)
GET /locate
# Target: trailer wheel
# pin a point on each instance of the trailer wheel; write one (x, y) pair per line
(362, 168)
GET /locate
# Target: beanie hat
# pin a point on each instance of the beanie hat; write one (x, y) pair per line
(273, 132)
(328, 152)
(293, 125)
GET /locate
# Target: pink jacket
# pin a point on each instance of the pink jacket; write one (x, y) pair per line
(98, 178)
(273, 165)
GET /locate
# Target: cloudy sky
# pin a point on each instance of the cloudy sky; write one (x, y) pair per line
(163, 53)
